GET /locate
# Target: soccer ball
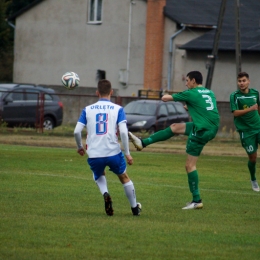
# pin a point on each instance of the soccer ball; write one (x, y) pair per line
(70, 80)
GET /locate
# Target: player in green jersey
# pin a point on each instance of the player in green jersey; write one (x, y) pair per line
(202, 106)
(244, 104)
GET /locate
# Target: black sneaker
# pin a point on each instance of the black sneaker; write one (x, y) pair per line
(137, 210)
(108, 204)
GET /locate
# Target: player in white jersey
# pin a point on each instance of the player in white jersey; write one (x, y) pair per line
(103, 119)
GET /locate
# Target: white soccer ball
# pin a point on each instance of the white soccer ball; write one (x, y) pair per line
(70, 80)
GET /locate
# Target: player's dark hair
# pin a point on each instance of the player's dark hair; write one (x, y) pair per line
(104, 87)
(195, 75)
(242, 74)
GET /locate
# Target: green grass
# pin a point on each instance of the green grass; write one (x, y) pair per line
(50, 208)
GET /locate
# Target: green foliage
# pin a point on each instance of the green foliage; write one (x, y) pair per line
(8, 8)
(4, 28)
(50, 208)
(16, 5)
(6, 44)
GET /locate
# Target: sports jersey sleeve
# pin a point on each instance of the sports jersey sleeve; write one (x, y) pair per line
(124, 137)
(121, 116)
(182, 96)
(77, 134)
(233, 105)
(83, 119)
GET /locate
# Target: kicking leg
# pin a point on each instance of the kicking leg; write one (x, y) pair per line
(174, 129)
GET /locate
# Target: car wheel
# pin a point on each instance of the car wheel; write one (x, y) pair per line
(48, 123)
(151, 130)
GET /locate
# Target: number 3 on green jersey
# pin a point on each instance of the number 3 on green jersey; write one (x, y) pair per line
(208, 100)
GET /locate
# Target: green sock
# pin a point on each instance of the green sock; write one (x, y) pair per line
(193, 180)
(158, 136)
(251, 167)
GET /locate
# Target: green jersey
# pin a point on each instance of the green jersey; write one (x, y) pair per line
(249, 122)
(202, 106)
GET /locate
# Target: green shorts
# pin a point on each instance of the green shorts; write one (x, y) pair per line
(250, 143)
(198, 139)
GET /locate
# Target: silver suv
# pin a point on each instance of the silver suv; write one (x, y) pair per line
(30, 105)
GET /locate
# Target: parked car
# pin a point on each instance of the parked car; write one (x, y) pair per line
(154, 115)
(21, 105)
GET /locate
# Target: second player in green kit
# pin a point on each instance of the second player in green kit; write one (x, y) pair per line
(244, 104)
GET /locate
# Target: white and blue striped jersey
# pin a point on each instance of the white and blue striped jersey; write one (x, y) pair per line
(102, 119)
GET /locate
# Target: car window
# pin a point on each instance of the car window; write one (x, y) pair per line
(171, 109)
(129, 107)
(2, 91)
(140, 108)
(17, 95)
(32, 94)
(162, 110)
(47, 97)
(180, 109)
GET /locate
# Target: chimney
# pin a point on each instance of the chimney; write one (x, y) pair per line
(153, 64)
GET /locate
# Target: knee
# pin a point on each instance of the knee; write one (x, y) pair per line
(173, 127)
(190, 167)
(123, 178)
(252, 160)
(187, 168)
(252, 157)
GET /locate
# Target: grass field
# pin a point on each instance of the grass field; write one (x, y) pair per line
(50, 208)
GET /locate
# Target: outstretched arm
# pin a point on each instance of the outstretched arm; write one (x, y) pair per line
(166, 98)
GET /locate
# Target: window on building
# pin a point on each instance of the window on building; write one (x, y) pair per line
(101, 74)
(95, 11)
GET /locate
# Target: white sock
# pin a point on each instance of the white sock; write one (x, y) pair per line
(102, 184)
(130, 193)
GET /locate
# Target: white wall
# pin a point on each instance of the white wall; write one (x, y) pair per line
(179, 58)
(54, 37)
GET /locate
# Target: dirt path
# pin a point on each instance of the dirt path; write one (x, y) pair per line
(174, 145)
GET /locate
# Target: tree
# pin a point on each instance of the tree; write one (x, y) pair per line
(4, 28)
(17, 5)
(8, 8)
(6, 44)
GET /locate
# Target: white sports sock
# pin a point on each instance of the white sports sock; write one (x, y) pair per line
(130, 193)
(102, 184)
